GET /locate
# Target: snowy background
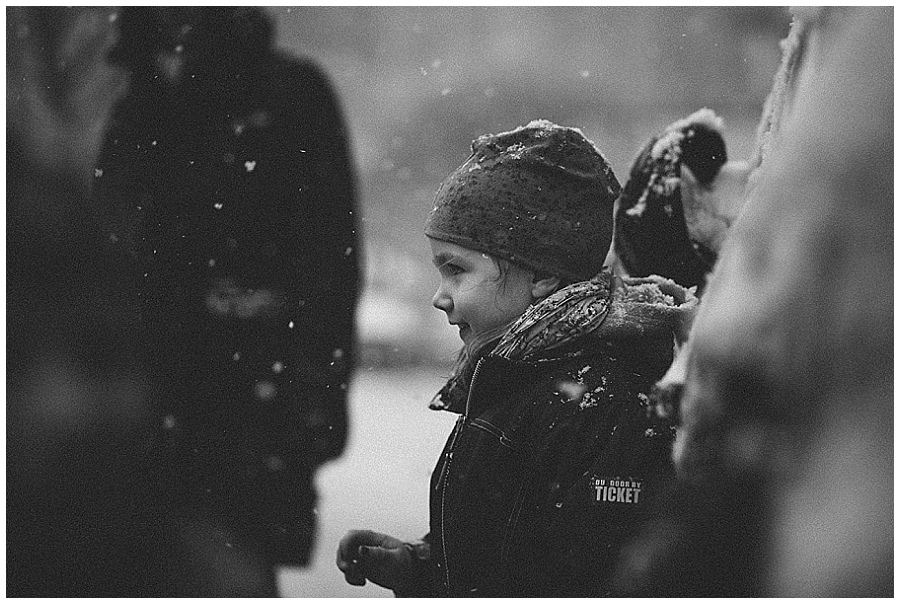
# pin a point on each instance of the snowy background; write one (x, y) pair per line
(381, 481)
(417, 84)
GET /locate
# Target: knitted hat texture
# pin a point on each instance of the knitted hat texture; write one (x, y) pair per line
(651, 233)
(540, 196)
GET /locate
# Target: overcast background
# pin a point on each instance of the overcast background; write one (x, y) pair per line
(417, 84)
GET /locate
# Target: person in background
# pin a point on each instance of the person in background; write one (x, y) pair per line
(80, 514)
(681, 196)
(784, 393)
(226, 175)
(554, 462)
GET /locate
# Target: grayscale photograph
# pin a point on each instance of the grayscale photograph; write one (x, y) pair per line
(449, 301)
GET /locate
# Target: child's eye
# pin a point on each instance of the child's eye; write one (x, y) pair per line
(451, 269)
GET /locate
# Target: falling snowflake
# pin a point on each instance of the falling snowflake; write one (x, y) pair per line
(265, 391)
(98, 172)
(250, 165)
(274, 463)
(218, 205)
(572, 390)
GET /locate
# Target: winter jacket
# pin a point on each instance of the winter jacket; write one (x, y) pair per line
(554, 462)
(234, 189)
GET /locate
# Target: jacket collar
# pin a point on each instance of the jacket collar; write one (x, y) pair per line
(575, 320)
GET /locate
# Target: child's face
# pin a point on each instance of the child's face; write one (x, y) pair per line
(472, 292)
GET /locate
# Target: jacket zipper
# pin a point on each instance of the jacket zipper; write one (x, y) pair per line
(446, 470)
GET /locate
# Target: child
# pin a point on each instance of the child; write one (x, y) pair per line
(553, 461)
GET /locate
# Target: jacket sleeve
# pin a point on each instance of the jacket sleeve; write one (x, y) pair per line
(422, 583)
(626, 484)
(581, 526)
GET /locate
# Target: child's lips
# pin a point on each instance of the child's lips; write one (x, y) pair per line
(463, 330)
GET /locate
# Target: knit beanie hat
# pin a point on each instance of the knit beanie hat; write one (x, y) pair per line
(540, 196)
(652, 235)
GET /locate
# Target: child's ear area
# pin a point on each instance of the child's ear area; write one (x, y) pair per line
(541, 286)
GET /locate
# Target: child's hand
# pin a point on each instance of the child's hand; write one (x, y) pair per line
(380, 558)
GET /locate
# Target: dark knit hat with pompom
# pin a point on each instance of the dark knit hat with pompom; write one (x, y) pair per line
(652, 236)
(540, 196)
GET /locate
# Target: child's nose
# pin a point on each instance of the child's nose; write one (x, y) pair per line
(442, 301)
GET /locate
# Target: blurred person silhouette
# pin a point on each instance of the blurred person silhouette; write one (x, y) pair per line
(226, 175)
(783, 394)
(554, 462)
(673, 215)
(80, 508)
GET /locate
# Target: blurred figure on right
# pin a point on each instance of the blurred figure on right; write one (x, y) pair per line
(784, 391)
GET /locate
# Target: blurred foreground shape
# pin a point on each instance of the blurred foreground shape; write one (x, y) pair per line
(79, 415)
(785, 448)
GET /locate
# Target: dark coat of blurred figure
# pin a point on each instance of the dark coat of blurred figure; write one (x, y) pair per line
(79, 413)
(226, 176)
